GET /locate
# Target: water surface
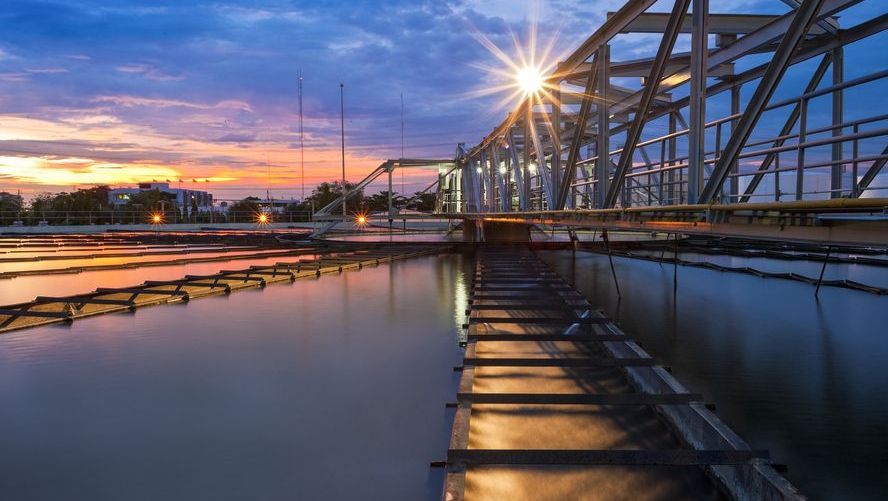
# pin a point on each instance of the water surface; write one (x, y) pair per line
(323, 389)
(803, 378)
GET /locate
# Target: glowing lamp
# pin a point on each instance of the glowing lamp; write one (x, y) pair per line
(360, 219)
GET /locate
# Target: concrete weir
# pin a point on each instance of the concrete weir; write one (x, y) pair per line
(46, 309)
(555, 402)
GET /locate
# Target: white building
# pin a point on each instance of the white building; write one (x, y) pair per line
(183, 197)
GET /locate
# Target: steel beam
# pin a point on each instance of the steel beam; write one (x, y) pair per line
(526, 154)
(505, 200)
(870, 174)
(807, 51)
(642, 67)
(678, 457)
(653, 80)
(805, 15)
(828, 25)
(612, 26)
(838, 74)
(788, 126)
(542, 169)
(602, 144)
(516, 171)
(721, 24)
(573, 153)
(697, 131)
(554, 124)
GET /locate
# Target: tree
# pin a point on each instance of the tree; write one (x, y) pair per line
(85, 206)
(244, 211)
(148, 202)
(423, 202)
(379, 201)
(10, 208)
(325, 194)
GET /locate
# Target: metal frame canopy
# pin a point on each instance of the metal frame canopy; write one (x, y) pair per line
(593, 144)
(445, 169)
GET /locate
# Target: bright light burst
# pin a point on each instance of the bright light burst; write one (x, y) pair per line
(263, 218)
(156, 218)
(360, 219)
(530, 80)
(525, 75)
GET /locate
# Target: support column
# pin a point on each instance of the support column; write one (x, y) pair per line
(673, 149)
(602, 144)
(697, 132)
(838, 73)
(735, 166)
(555, 132)
(390, 205)
(507, 160)
(526, 168)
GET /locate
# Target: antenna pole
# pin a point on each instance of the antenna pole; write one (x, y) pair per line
(301, 141)
(402, 142)
(342, 132)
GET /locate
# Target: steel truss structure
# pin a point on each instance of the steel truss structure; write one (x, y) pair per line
(327, 214)
(586, 142)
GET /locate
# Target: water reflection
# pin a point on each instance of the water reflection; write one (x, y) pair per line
(323, 389)
(26, 288)
(801, 377)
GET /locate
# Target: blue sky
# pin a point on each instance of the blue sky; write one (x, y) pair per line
(97, 91)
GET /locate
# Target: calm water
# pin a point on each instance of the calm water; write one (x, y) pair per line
(803, 378)
(334, 389)
(26, 288)
(327, 389)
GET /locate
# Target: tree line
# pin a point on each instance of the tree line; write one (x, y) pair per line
(92, 206)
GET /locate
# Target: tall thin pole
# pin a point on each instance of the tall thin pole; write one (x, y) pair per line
(402, 125)
(402, 142)
(301, 141)
(342, 132)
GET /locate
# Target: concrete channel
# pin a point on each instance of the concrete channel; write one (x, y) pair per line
(555, 402)
(46, 309)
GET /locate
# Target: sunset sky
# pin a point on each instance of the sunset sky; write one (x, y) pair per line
(120, 92)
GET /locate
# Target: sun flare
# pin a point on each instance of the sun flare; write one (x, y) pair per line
(529, 80)
(522, 75)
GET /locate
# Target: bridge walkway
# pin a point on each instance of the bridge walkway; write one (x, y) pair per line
(555, 402)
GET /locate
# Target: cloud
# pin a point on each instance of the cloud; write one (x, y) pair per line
(235, 137)
(133, 101)
(149, 72)
(14, 76)
(48, 71)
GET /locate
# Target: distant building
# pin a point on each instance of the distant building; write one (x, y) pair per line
(11, 198)
(272, 206)
(203, 199)
(277, 205)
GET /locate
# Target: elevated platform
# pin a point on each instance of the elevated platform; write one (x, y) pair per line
(555, 402)
(846, 221)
